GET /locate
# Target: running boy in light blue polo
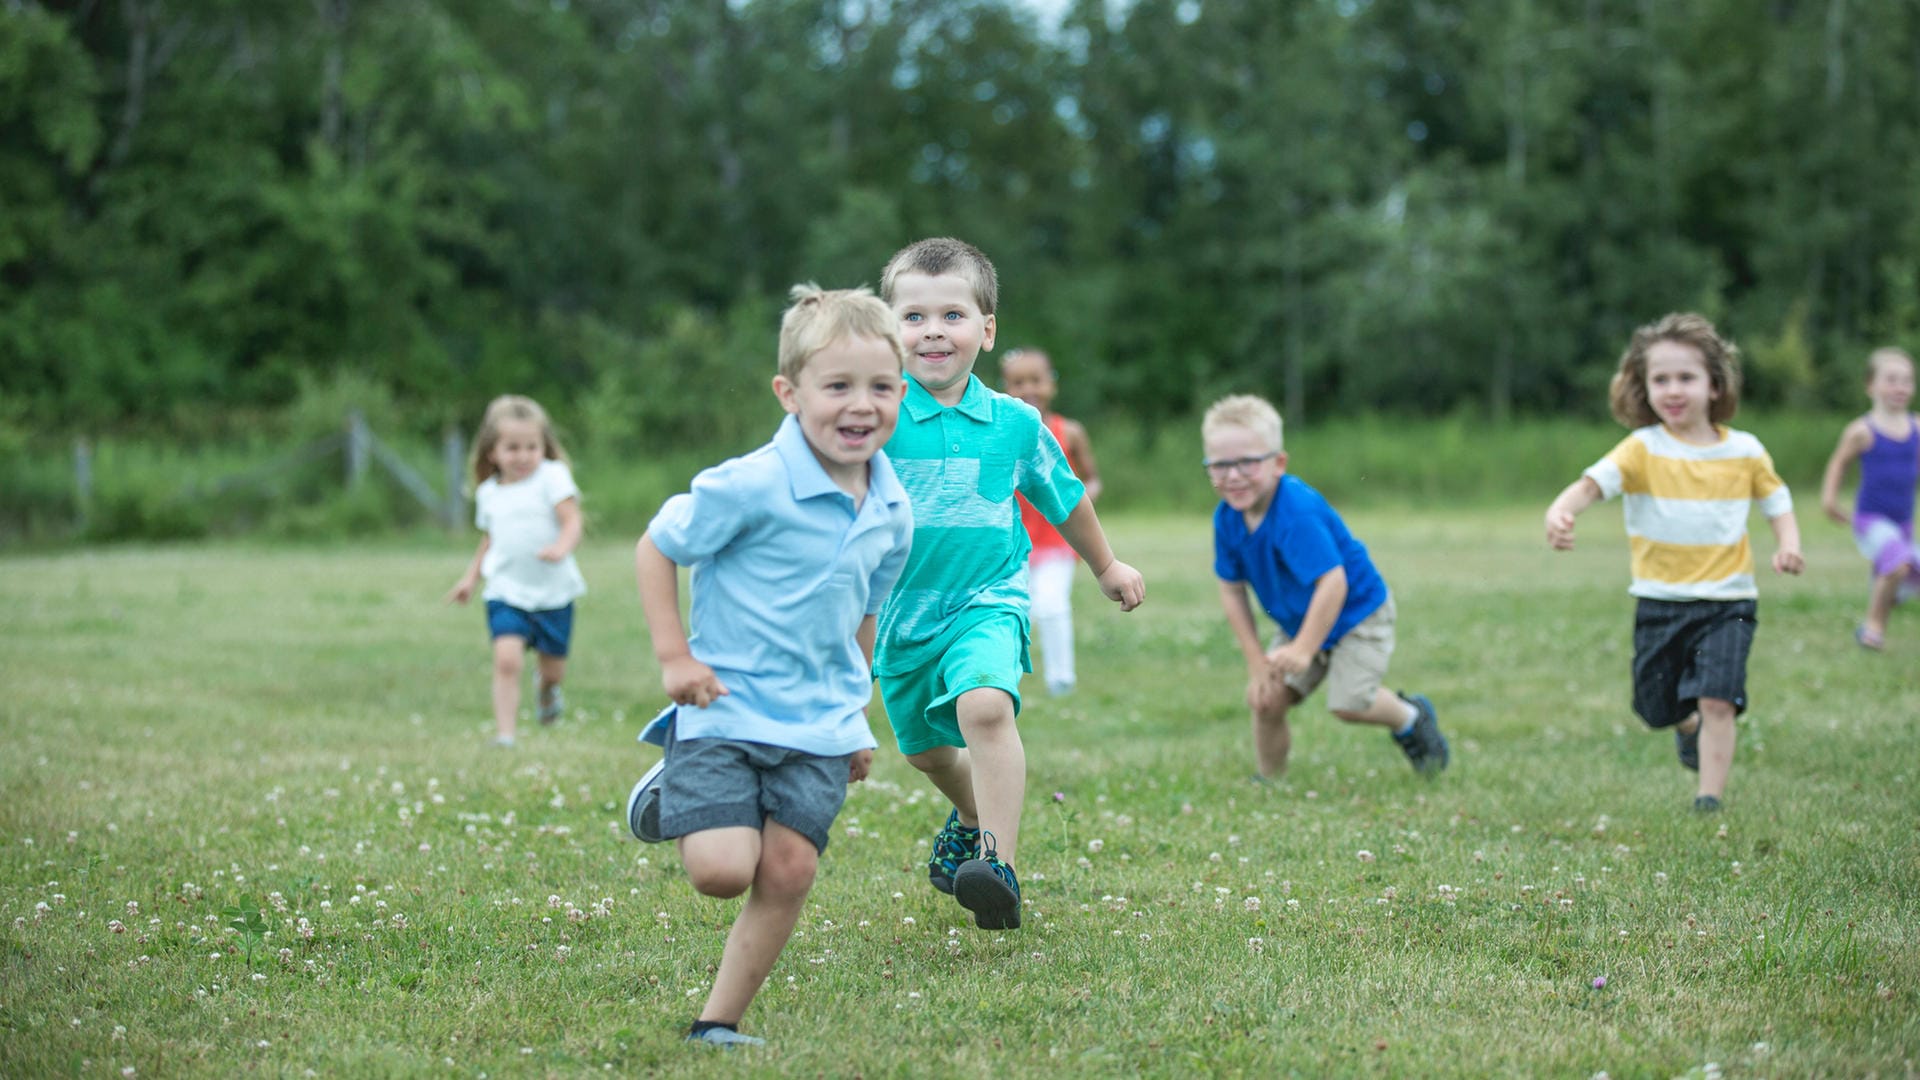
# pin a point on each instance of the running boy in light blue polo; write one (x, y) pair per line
(793, 548)
(953, 634)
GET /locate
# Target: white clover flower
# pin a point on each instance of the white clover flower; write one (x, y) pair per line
(1095, 845)
(1364, 855)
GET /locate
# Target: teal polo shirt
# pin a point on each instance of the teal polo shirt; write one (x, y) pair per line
(960, 465)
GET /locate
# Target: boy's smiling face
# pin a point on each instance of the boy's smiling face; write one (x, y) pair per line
(847, 399)
(1244, 469)
(944, 331)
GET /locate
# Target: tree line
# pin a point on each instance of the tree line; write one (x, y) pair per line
(1404, 205)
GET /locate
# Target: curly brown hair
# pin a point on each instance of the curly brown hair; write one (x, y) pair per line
(1628, 394)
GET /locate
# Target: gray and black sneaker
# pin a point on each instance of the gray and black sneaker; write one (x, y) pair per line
(988, 888)
(643, 805)
(1425, 747)
(1706, 804)
(952, 845)
(725, 1038)
(1687, 745)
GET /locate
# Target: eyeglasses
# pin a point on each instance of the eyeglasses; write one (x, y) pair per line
(1220, 470)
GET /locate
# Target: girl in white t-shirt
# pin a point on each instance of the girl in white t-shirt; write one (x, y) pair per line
(527, 505)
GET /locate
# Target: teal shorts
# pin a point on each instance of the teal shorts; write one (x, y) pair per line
(922, 704)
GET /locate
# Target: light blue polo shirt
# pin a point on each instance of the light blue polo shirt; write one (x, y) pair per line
(961, 464)
(784, 569)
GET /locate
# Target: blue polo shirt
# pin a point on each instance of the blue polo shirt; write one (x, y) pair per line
(1299, 540)
(961, 464)
(784, 569)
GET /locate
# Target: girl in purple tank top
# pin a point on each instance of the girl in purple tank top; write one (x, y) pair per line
(1887, 442)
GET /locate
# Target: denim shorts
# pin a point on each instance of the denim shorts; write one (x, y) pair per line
(1684, 650)
(721, 783)
(549, 632)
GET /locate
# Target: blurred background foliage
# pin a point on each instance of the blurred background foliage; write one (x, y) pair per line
(221, 221)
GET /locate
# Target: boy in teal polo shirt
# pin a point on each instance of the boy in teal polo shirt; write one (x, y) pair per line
(953, 634)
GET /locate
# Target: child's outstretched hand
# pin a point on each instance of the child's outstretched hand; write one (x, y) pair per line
(1123, 583)
(690, 682)
(462, 590)
(553, 552)
(1559, 528)
(860, 765)
(1788, 561)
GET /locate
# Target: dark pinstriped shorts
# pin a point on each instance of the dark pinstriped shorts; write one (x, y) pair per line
(1685, 650)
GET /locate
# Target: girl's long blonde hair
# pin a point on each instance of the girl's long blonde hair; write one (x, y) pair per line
(510, 407)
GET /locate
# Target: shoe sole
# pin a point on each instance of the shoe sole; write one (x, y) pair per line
(644, 821)
(940, 882)
(980, 890)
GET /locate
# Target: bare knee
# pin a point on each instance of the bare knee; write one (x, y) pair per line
(725, 880)
(508, 660)
(934, 760)
(984, 708)
(788, 869)
(1716, 711)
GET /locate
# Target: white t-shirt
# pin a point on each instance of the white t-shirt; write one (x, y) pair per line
(519, 521)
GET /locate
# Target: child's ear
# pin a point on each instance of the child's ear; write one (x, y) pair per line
(784, 390)
(986, 340)
(1280, 462)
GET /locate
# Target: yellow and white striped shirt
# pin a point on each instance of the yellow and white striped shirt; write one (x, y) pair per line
(1686, 510)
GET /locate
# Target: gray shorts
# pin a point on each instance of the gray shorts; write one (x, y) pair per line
(720, 783)
(1356, 665)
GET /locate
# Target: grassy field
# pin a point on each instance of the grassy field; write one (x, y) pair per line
(295, 740)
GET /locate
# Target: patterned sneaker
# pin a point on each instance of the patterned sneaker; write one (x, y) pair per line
(553, 705)
(1686, 744)
(952, 845)
(724, 1038)
(643, 805)
(1425, 747)
(988, 888)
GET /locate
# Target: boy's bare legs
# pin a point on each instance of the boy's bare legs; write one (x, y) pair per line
(1388, 711)
(1272, 738)
(999, 765)
(951, 770)
(778, 864)
(552, 670)
(509, 660)
(1716, 745)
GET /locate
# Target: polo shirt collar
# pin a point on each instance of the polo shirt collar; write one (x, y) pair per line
(804, 471)
(809, 478)
(976, 403)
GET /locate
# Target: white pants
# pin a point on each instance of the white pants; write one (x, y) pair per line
(1050, 579)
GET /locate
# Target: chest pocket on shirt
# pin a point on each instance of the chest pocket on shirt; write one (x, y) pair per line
(997, 469)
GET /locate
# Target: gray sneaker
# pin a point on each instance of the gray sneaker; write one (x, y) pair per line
(643, 805)
(1425, 747)
(553, 705)
(725, 1039)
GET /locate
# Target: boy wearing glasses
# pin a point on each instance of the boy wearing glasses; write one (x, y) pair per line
(1273, 532)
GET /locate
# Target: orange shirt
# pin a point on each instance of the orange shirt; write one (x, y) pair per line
(1040, 531)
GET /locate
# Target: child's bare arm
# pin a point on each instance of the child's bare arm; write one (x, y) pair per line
(864, 636)
(1786, 537)
(1117, 580)
(687, 680)
(1239, 611)
(1854, 441)
(463, 589)
(1579, 495)
(568, 511)
(1329, 596)
(1080, 452)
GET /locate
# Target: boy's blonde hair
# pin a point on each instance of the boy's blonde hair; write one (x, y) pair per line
(819, 317)
(944, 255)
(1882, 355)
(510, 407)
(1628, 394)
(1256, 414)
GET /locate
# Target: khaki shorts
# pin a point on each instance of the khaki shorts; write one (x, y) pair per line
(1356, 665)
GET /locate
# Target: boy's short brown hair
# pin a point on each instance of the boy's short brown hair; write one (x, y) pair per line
(819, 317)
(1628, 393)
(1256, 414)
(939, 255)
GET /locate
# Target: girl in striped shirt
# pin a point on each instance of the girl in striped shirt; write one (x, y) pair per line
(1688, 481)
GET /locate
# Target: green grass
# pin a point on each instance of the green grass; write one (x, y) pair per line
(190, 729)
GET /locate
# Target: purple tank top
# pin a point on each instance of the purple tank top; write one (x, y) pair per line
(1888, 472)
